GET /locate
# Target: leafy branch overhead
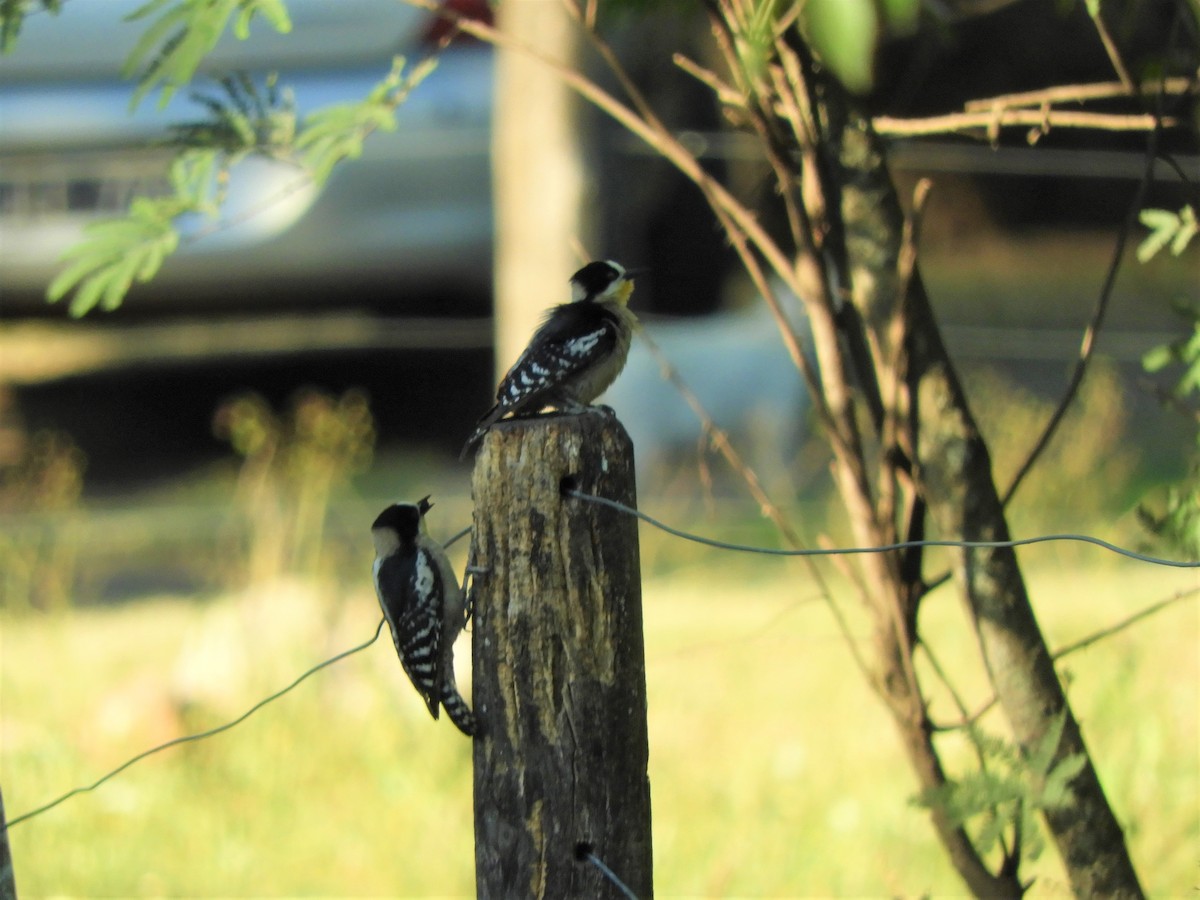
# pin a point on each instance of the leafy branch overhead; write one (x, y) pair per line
(117, 252)
(186, 31)
(13, 14)
(244, 119)
(337, 132)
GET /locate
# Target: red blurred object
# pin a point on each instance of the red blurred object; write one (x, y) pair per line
(443, 29)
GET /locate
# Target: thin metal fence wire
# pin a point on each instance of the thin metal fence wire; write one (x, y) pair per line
(883, 548)
(585, 853)
(199, 736)
(188, 738)
(662, 526)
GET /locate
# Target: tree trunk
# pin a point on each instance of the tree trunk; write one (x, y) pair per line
(538, 175)
(952, 471)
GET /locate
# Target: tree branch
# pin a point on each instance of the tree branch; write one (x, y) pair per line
(993, 121)
(1080, 93)
(1081, 644)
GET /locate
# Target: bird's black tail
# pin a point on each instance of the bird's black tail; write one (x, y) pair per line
(458, 711)
(490, 418)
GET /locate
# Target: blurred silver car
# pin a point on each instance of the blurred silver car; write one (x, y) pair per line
(413, 213)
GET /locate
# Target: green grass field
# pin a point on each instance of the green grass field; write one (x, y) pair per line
(774, 770)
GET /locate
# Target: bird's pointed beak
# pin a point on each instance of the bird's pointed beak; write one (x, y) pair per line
(424, 504)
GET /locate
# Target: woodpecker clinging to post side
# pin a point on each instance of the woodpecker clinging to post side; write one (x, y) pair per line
(424, 606)
(574, 356)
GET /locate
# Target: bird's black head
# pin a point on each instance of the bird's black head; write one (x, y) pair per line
(596, 279)
(403, 518)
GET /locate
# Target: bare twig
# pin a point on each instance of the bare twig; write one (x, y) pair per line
(632, 91)
(1118, 627)
(1021, 109)
(661, 140)
(991, 121)
(722, 91)
(720, 440)
(745, 233)
(891, 429)
(1088, 344)
(1110, 47)
(1081, 644)
(1079, 93)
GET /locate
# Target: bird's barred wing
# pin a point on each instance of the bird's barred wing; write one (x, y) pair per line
(418, 641)
(553, 358)
(415, 623)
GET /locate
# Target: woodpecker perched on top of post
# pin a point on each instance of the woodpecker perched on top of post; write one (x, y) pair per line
(574, 356)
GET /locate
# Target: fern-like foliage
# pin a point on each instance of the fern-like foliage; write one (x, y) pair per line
(1167, 229)
(116, 253)
(13, 14)
(844, 34)
(244, 118)
(1008, 790)
(1177, 523)
(183, 33)
(337, 132)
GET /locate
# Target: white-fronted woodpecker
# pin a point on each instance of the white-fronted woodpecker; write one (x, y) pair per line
(574, 356)
(424, 606)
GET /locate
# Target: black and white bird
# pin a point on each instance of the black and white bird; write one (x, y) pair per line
(574, 356)
(424, 606)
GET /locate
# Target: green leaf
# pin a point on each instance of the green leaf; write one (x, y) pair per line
(275, 12)
(843, 33)
(151, 37)
(1187, 230)
(337, 132)
(146, 9)
(1162, 224)
(172, 48)
(1056, 792)
(1042, 754)
(1009, 788)
(1158, 358)
(119, 279)
(991, 832)
(1167, 228)
(1156, 219)
(901, 16)
(152, 259)
(71, 275)
(12, 18)
(116, 253)
(87, 295)
(241, 25)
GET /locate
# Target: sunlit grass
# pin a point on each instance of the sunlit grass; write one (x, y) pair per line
(774, 770)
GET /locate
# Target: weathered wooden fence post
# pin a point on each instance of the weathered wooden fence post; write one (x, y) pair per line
(559, 680)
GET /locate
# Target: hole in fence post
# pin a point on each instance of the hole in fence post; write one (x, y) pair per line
(567, 484)
(582, 851)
